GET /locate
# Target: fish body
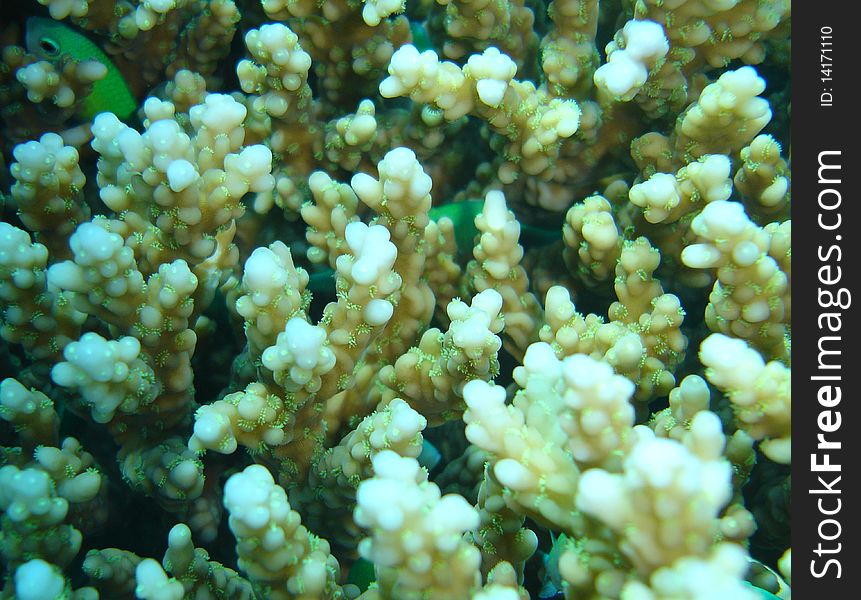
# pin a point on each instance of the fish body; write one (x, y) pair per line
(49, 39)
(421, 39)
(463, 216)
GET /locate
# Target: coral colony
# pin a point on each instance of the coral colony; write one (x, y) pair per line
(395, 299)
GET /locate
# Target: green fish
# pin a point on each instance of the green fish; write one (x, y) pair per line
(322, 282)
(49, 39)
(552, 581)
(421, 39)
(362, 574)
(463, 216)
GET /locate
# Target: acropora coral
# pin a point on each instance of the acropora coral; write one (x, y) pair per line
(395, 299)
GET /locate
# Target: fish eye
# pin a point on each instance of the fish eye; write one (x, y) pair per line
(49, 46)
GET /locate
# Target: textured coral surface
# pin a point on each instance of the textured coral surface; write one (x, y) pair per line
(395, 299)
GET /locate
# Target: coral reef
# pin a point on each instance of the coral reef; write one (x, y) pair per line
(408, 300)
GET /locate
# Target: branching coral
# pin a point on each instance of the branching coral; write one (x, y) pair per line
(402, 288)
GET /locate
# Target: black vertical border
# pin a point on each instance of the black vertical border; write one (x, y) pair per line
(820, 126)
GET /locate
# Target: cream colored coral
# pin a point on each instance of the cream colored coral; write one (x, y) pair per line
(635, 285)
(204, 515)
(111, 569)
(703, 36)
(23, 261)
(401, 196)
(60, 9)
(41, 319)
(65, 87)
(613, 342)
(218, 122)
(254, 418)
(197, 181)
(718, 32)
(568, 53)
(154, 584)
(72, 469)
(497, 266)
(442, 270)
(349, 55)
(502, 584)
(760, 392)
(164, 329)
(763, 179)
(328, 503)
(300, 395)
(727, 116)
(656, 317)
(169, 472)
(149, 12)
(273, 293)
(37, 579)
(687, 399)
(30, 411)
(666, 198)
(333, 208)
(416, 533)
(751, 296)
(274, 549)
(366, 282)
(592, 239)
(500, 253)
(109, 374)
(280, 104)
(638, 46)
(48, 190)
(280, 67)
(425, 79)
(375, 11)
(721, 574)
(589, 566)
(643, 339)
(533, 124)
(592, 404)
(148, 38)
(397, 427)
(505, 541)
(565, 329)
(197, 575)
(472, 331)
(208, 40)
(349, 137)
(403, 190)
(299, 357)
(529, 452)
(105, 282)
(667, 513)
(431, 376)
(102, 273)
(35, 518)
(471, 26)
(185, 90)
(370, 265)
(278, 9)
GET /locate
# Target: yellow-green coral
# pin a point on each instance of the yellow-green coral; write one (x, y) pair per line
(416, 282)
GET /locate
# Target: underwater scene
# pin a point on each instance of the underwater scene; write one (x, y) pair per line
(395, 299)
